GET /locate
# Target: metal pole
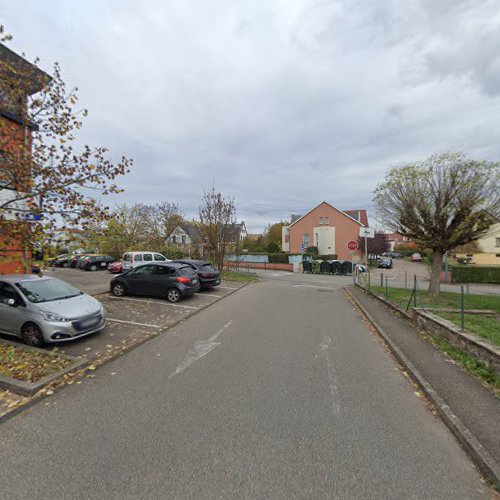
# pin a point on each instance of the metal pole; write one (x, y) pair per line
(386, 289)
(406, 280)
(414, 290)
(462, 300)
(381, 280)
(352, 269)
(366, 251)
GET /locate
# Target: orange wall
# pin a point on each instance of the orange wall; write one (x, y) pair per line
(346, 229)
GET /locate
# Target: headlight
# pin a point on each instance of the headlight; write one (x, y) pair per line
(49, 316)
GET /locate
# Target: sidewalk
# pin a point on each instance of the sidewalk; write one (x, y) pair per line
(476, 407)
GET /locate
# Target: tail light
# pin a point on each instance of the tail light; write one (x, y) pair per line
(182, 279)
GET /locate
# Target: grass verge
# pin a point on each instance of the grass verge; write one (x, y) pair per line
(486, 327)
(239, 276)
(29, 366)
(469, 362)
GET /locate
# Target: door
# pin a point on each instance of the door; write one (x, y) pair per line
(324, 239)
(138, 280)
(161, 279)
(11, 317)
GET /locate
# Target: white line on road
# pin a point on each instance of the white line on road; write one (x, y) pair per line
(132, 323)
(151, 302)
(209, 295)
(200, 349)
(313, 286)
(334, 391)
(227, 287)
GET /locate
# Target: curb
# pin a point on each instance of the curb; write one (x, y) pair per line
(15, 411)
(483, 460)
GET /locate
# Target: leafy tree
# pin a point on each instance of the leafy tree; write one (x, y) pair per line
(217, 218)
(376, 245)
(42, 170)
(273, 247)
(442, 202)
(272, 234)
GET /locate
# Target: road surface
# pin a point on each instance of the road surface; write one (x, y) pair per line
(278, 391)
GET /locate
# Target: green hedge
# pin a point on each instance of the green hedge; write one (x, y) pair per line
(475, 274)
(278, 258)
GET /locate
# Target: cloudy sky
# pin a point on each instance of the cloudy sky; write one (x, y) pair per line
(278, 103)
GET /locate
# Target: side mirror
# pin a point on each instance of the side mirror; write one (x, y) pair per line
(11, 302)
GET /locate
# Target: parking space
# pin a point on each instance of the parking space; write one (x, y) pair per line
(132, 319)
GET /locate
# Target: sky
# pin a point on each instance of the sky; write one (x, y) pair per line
(280, 104)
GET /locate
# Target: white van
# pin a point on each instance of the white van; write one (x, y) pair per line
(134, 259)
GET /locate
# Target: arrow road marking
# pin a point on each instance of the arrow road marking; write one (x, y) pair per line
(200, 349)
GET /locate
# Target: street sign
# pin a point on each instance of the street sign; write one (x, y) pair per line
(303, 247)
(352, 245)
(367, 232)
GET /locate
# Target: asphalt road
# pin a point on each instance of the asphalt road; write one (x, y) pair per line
(278, 391)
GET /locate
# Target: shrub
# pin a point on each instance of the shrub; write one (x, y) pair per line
(278, 258)
(312, 250)
(330, 256)
(273, 247)
(473, 274)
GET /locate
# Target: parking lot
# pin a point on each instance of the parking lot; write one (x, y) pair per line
(130, 319)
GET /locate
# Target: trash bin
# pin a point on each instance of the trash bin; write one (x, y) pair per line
(336, 266)
(326, 267)
(316, 266)
(306, 266)
(346, 267)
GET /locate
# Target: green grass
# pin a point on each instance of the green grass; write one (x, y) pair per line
(239, 276)
(469, 362)
(485, 327)
(488, 328)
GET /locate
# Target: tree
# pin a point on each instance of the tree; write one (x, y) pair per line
(272, 235)
(376, 245)
(43, 173)
(217, 218)
(440, 203)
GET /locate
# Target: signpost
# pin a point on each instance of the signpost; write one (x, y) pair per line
(366, 232)
(353, 246)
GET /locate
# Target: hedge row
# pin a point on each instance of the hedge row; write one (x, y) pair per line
(473, 274)
(282, 258)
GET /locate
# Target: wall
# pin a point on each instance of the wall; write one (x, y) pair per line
(488, 243)
(346, 229)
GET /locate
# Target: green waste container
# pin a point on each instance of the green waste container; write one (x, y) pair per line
(316, 266)
(346, 267)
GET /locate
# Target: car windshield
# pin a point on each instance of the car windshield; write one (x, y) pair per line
(47, 290)
(187, 270)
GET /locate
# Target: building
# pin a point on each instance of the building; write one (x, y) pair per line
(325, 227)
(489, 249)
(19, 79)
(396, 239)
(184, 234)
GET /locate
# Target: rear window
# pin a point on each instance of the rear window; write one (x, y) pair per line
(208, 267)
(187, 270)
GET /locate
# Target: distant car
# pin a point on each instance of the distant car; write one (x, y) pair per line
(385, 263)
(61, 261)
(171, 280)
(134, 259)
(76, 259)
(416, 257)
(393, 255)
(45, 310)
(208, 274)
(95, 262)
(361, 268)
(115, 267)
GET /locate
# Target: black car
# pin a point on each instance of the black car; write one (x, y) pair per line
(75, 260)
(208, 274)
(172, 280)
(385, 263)
(95, 262)
(61, 261)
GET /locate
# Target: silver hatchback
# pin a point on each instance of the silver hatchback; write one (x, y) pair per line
(45, 310)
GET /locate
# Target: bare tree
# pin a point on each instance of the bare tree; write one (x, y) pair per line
(217, 219)
(43, 174)
(442, 202)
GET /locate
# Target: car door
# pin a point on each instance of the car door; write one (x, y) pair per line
(12, 317)
(138, 280)
(161, 279)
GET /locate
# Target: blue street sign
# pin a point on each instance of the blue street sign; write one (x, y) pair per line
(303, 247)
(33, 217)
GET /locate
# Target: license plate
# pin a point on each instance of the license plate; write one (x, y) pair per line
(195, 281)
(89, 322)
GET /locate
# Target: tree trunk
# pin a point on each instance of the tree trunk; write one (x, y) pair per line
(437, 263)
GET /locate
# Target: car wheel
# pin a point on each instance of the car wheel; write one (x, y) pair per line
(93, 267)
(118, 290)
(173, 295)
(32, 335)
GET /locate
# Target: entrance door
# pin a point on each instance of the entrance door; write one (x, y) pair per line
(324, 239)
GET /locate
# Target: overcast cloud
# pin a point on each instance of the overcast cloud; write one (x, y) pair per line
(279, 103)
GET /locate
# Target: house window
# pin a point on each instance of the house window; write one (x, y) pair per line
(183, 240)
(327, 220)
(497, 240)
(174, 239)
(321, 220)
(305, 240)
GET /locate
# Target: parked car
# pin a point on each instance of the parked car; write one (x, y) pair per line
(62, 261)
(115, 267)
(95, 262)
(45, 310)
(76, 259)
(393, 255)
(208, 275)
(134, 259)
(416, 257)
(171, 280)
(385, 263)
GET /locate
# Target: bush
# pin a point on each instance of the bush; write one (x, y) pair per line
(330, 256)
(473, 274)
(278, 258)
(312, 250)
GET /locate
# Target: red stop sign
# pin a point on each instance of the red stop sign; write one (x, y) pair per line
(352, 245)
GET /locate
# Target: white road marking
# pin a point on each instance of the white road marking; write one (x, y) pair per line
(151, 302)
(313, 286)
(132, 323)
(332, 378)
(209, 295)
(227, 287)
(200, 349)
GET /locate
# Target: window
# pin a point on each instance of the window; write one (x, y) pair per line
(327, 220)
(183, 240)
(163, 270)
(148, 257)
(126, 257)
(159, 257)
(321, 220)
(142, 271)
(8, 292)
(174, 239)
(138, 258)
(305, 239)
(497, 242)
